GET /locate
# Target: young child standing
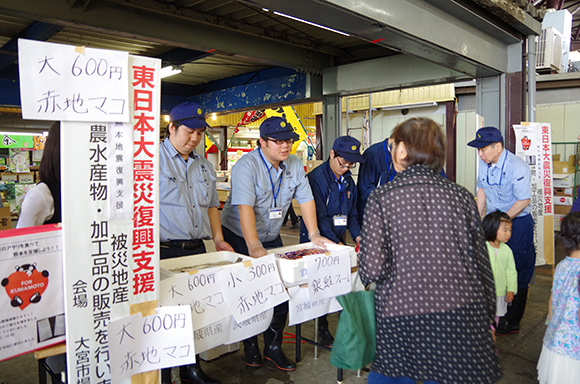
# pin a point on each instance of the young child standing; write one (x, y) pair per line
(497, 227)
(560, 358)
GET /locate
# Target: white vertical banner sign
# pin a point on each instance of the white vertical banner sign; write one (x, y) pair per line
(534, 146)
(110, 257)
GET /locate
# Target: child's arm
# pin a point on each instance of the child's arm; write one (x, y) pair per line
(511, 274)
(509, 297)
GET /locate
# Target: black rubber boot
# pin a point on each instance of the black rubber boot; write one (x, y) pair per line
(324, 336)
(166, 376)
(273, 340)
(252, 355)
(193, 374)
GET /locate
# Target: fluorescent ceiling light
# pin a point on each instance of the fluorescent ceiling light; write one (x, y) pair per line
(405, 106)
(311, 23)
(169, 71)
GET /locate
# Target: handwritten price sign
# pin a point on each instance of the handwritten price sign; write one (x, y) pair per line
(63, 82)
(140, 344)
(252, 287)
(328, 274)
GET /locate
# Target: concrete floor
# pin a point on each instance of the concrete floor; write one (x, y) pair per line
(518, 354)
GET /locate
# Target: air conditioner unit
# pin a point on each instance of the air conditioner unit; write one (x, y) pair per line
(549, 51)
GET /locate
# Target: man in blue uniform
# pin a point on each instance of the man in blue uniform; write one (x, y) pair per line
(263, 184)
(335, 195)
(376, 170)
(503, 183)
(189, 202)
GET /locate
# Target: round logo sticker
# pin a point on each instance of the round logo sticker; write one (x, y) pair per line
(353, 147)
(199, 111)
(282, 124)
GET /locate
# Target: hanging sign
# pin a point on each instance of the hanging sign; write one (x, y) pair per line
(68, 83)
(111, 259)
(534, 146)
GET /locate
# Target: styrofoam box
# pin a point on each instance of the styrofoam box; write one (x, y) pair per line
(167, 265)
(294, 272)
(563, 200)
(563, 180)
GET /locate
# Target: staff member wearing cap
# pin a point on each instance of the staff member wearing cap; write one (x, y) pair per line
(376, 170)
(189, 202)
(263, 184)
(335, 196)
(503, 183)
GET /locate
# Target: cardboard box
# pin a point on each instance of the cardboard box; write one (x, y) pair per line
(563, 191)
(564, 166)
(26, 178)
(560, 180)
(563, 200)
(10, 177)
(311, 164)
(558, 222)
(5, 219)
(562, 209)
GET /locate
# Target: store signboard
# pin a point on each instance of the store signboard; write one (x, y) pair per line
(111, 259)
(9, 140)
(534, 146)
(64, 82)
(31, 292)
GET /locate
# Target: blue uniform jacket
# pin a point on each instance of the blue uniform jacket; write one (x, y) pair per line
(376, 170)
(327, 198)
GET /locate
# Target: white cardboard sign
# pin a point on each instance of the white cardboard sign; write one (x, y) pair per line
(252, 287)
(140, 344)
(68, 83)
(200, 291)
(250, 327)
(328, 274)
(302, 309)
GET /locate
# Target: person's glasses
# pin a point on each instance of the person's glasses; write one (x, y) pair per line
(346, 164)
(390, 146)
(280, 142)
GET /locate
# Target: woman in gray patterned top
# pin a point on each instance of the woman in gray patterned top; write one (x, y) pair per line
(423, 245)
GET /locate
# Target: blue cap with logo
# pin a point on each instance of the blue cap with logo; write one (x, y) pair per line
(277, 128)
(348, 148)
(486, 136)
(189, 114)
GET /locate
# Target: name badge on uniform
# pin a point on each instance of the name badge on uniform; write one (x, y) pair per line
(275, 214)
(339, 220)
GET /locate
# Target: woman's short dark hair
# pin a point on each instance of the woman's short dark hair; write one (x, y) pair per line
(49, 169)
(570, 232)
(491, 223)
(424, 141)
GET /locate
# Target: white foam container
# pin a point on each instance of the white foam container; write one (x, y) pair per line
(167, 265)
(294, 272)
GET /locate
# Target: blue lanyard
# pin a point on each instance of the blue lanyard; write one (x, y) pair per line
(275, 193)
(500, 175)
(339, 185)
(388, 166)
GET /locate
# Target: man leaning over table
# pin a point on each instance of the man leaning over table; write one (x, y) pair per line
(263, 184)
(189, 203)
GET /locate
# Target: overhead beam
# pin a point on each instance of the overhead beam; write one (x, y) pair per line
(35, 31)
(462, 40)
(394, 72)
(119, 20)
